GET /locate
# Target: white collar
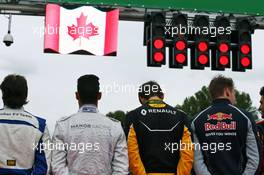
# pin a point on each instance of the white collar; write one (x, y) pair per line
(89, 108)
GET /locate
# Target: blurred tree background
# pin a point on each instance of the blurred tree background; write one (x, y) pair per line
(118, 115)
(201, 100)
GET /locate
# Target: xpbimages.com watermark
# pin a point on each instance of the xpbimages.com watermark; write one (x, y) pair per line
(79, 147)
(210, 147)
(71, 30)
(173, 31)
(130, 88)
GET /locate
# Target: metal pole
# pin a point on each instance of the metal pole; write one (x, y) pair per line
(9, 23)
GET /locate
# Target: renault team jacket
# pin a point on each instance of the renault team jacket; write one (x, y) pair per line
(225, 141)
(22, 139)
(159, 141)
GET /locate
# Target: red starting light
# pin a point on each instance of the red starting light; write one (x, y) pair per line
(158, 56)
(158, 43)
(223, 47)
(203, 59)
(245, 61)
(180, 58)
(180, 45)
(223, 60)
(245, 49)
(203, 46)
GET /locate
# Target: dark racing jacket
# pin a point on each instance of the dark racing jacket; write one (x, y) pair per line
(156, 133)
(260, 133)
(225, 141)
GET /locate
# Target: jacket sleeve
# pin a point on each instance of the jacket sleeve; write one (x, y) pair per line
(252, 151)
(120, 159)
(127, 123)
(43, 154)
(199, 166)
(186, 154)
(58, 156)
(135, 163)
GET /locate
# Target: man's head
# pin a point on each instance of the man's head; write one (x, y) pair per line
(88, 90)
(148, 90)
(261, 107)
(14, 90)
(222, 87)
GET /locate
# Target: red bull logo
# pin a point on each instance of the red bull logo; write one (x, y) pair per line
(220, 116)
(220, 126)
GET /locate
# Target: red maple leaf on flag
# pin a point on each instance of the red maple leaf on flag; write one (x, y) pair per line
(82, 29)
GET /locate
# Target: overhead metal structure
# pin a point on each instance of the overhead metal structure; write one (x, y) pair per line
(135, 10)
(252, 7)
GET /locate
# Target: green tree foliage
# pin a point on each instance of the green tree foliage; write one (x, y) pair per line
(201, 100)
(118, 115)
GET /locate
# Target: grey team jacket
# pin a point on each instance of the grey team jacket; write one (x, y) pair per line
(89, 143)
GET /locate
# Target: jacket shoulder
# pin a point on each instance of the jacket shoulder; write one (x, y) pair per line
(138, 109)
(41, 122)
(179, 111)
(114, 120)
(199, 116)
(65, 118)
(247, 115)
(107, 120)
(133, 114)
(41, 119)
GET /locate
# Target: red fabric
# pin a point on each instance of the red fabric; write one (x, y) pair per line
(52, 24)
(111, 30)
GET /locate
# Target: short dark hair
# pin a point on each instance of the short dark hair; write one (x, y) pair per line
(14, 90)
(261, 92)
(218, 85)
(88, 88)
(150, 89)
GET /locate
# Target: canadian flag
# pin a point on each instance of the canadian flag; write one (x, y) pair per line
(84, 30)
